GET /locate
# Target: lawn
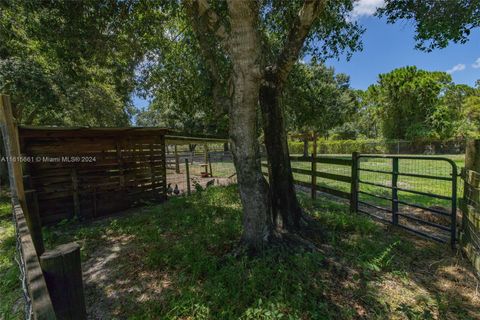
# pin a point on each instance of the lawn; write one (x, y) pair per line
(171, 261)
(435, 168)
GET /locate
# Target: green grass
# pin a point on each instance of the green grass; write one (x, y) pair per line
(171, 262)
(10, 292)
(426, 167)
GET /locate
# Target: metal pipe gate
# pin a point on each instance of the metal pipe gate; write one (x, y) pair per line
(386, 185)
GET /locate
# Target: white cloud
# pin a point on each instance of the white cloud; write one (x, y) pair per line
(476, 65)
(458, 67)
(366, 7)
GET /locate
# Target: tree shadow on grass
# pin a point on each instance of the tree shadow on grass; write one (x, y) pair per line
(170, 262)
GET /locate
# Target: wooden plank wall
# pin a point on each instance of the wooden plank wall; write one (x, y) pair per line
(91, 173)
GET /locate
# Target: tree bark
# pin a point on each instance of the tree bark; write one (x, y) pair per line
(305, 147)
(244, 47)
(286, 210)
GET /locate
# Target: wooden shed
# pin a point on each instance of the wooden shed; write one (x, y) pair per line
(90, 172)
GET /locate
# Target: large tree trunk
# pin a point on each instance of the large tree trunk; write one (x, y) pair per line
(286, 210)
(245, 53)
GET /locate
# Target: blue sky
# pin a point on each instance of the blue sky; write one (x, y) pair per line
(387, 47)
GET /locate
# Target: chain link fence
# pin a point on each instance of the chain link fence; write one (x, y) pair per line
(27, 302)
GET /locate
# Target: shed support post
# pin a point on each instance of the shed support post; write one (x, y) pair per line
(187, 172)
(177, 160)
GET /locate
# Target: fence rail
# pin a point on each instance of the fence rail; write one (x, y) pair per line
(315, 177)
(394, 189)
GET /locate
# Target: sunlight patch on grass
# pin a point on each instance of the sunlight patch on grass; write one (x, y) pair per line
(171, 262)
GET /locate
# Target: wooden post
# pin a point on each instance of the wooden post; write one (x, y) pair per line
(205, 148)
(354, 184)
(472, 155)
(33, 221)
(210, 165)
(63, 275)
(177, 160)
(121, 167)
(313, 187)
(187, 171)
(314, 168)
(12, 150)
(76, 198)
(472, 163)
(164, 167)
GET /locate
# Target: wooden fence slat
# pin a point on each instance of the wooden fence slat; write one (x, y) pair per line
(125, 163)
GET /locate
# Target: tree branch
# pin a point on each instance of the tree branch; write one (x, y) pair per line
(307, 15)
(209, 32)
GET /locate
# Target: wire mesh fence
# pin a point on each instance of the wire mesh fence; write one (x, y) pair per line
(414, 192)
(26, 301)
(192, 167)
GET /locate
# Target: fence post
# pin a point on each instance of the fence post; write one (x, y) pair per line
(187, 171)
(210, 165)
(314, 167)
(313, 188)
(177, 160)
(472, 163)
(63, 274)
(472, 155)
(394, 191)
(354, 184)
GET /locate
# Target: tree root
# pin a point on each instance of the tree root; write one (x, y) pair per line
(284, 244)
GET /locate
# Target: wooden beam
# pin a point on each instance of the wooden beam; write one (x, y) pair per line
(12, 149)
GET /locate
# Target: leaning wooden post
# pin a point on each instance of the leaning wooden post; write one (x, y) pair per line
(177, 160)
(63, 274)
(187, 171)
(12, 149)
(354, 184)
